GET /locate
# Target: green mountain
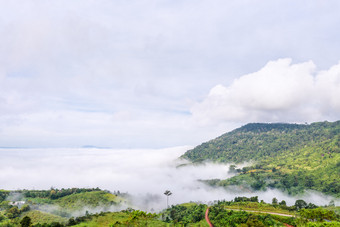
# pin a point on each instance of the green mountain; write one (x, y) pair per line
(291, 157)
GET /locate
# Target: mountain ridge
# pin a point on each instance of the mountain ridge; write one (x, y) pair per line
(291, 157)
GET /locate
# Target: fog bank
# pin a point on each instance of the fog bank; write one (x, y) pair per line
(145, 174)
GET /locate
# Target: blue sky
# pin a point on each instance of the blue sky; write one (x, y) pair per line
(131, 74)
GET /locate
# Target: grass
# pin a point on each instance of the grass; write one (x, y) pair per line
(90, 199)
(253, 206)
(120, 219)
(42, 217)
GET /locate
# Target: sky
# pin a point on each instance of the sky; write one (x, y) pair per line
(155, 74)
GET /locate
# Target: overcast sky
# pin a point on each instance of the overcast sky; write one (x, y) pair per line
(149, 74)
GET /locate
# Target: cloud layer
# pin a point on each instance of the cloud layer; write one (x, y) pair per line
(279, 92)
(145, 174)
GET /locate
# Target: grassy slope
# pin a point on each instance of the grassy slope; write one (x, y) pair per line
(43, 217)
(114, 218)
(304, 156)
(80, 200)
(119, 217)
(88, 199)
(254, 206)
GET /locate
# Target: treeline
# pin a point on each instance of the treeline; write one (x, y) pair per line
(253, 202)
(236, 213)
(184, 214)
(257, 141)
(294, 182)
(55, 193)
(219, 216)
(3, 195)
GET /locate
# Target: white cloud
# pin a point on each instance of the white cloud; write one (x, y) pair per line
(147, 62)
(280, 91)
(143, 173)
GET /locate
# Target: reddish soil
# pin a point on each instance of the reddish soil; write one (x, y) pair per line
(207, 218)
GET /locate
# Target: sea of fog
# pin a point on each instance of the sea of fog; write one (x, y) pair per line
(144, 173)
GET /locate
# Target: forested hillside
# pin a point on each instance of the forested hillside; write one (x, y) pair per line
(292, 157)
(55, 205)
(241, 211)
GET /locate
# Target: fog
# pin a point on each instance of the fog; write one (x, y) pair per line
(144, 174)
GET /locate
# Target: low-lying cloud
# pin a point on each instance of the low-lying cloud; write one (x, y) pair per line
(280, 91)
(145, 174)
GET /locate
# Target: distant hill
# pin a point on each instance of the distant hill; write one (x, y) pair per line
(55, 205)
(292, 157)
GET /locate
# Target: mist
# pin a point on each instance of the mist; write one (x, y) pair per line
(143, 173)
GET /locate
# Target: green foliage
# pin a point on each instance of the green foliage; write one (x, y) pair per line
(13, 212)
(251, 204)
(43, 217)
(274, 201)
(184, 214)
(65, 205)
(300, 204)
(323, 224)
(54, 193)
(220, 216)
(26, 222)
(87, 199)
(318, 214)
(290, 157)
(246, 199)
(3, 195)
(128, 217)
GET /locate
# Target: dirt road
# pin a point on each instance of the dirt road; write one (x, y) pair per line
(207, 218)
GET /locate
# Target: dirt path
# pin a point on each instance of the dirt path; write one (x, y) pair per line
(207, 218)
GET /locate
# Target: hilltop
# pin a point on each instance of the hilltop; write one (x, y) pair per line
(291, 157)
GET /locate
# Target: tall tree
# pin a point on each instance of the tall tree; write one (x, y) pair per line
(167, 193)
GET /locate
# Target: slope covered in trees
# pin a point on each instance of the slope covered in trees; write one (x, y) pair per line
(241, 211)
(292, 157)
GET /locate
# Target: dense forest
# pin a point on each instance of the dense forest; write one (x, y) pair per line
(291, 157)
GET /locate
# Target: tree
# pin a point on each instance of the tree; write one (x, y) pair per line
(13, 212)
(274, 201)
(26, 222)
(71, 222)
(299, 204)
(56, 224)
(254, 199)
(254, 221)
(25, 208)
(167, 193)
(283, 203)
(331, 203)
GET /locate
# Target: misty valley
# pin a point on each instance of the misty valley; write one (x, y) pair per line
(256, 175)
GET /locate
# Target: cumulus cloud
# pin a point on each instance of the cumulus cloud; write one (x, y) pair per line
(280, 91)
(139, 66)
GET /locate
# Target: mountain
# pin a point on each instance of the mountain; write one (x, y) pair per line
(291, 157)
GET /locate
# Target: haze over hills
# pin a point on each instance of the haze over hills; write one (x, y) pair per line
(291, 157)
(283, 157)
(94, 207)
